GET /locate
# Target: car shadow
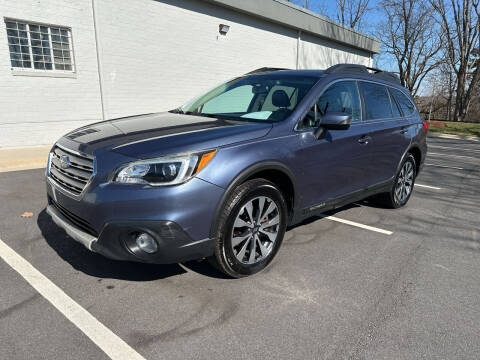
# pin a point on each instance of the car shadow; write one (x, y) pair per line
(320, 215)
(96, 265)
(99, 266)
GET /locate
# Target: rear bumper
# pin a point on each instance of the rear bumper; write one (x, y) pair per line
(117, 240)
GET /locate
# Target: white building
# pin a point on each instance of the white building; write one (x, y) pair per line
(67, 63)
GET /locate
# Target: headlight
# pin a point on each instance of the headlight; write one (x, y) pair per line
(164, 170)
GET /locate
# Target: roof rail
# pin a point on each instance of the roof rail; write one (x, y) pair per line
(387, 76)
(347, 69)
(362, 69)
(264, 70)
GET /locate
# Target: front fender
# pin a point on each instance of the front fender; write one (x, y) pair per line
(232, 166)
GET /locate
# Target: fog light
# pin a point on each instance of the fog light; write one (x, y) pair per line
(146, 243)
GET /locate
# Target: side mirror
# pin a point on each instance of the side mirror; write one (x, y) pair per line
(333, 121)
(336, 121)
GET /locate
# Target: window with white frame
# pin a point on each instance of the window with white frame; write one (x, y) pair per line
(39, 47)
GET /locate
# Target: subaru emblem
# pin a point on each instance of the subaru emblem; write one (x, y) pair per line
(64, 161)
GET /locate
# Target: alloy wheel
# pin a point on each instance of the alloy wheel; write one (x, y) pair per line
(404, 184)
(255, 230)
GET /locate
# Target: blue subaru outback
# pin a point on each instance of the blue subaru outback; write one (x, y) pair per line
(224, 175)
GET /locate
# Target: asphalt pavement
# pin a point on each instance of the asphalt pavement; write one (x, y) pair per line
(335, 291)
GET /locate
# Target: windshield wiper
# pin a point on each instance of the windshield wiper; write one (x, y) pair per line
(177, 111)
(208, 115)
(220, 116)
(195, 113)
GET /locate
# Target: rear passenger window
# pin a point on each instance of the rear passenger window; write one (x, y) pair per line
(377, 102)
(404, 102)
(395, 108)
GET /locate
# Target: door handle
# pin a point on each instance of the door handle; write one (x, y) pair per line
(403, 130)
(364, 140)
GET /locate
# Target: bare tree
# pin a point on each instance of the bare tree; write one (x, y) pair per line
(319, 7)
(447, 82)
(351, 12)
(410, 34)
(460, 24)
(441, 88)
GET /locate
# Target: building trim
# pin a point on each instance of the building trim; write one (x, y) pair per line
(299, 35)
(44, 73)
(296, 17)
(99, 67)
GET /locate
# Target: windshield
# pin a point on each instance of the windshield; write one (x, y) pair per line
(270, 97)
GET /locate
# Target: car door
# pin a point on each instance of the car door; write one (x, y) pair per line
(334, 164)
(387, 130)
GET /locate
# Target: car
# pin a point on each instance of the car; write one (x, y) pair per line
(223, 176)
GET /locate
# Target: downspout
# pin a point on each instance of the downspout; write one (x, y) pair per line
(99, 67)
(298, 47)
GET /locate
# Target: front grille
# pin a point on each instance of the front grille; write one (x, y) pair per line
(74, 172)
(74, 219)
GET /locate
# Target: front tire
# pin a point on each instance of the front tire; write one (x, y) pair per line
(251, 228)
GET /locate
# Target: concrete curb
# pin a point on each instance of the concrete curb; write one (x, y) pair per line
(458, 137)
(23, 158)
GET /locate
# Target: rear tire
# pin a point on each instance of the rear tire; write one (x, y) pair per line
(251, 228)
(402, 187)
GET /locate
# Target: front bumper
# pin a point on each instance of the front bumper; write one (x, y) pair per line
(107, 218)
(117, 240)
(75, 233)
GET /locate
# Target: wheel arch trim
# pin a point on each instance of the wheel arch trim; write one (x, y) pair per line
(244, 175)
(409, 151)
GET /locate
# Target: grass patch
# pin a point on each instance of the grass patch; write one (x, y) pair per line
(455, 128)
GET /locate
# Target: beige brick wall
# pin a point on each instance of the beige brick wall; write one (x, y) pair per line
(315, 53)
(157, 56)
(154, 56)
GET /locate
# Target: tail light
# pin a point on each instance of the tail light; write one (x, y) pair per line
(425, 124)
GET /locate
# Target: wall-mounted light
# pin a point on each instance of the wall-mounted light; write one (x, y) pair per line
(223, 29)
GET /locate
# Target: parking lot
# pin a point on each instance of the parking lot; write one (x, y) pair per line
(365, 282)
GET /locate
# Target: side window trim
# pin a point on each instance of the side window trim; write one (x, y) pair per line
(364, 103)
(360, 101)
(324, 90)
(393, 103)
(388, 87)
(390, 100)
(393, 100)
(355, 83)
(409, 99)
(363, 119)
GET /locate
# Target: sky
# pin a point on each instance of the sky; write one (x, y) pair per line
(330, 7)
(368, 26)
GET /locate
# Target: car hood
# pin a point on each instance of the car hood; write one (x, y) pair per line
(164, 134)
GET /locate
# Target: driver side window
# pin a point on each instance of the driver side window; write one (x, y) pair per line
(340, 97)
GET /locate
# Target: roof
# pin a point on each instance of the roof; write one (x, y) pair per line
(288, 72)
(293, 16)
(345, 69)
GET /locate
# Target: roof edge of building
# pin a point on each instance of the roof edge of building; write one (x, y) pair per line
(293, 16)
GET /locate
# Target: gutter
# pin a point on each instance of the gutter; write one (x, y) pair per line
(295, 17)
